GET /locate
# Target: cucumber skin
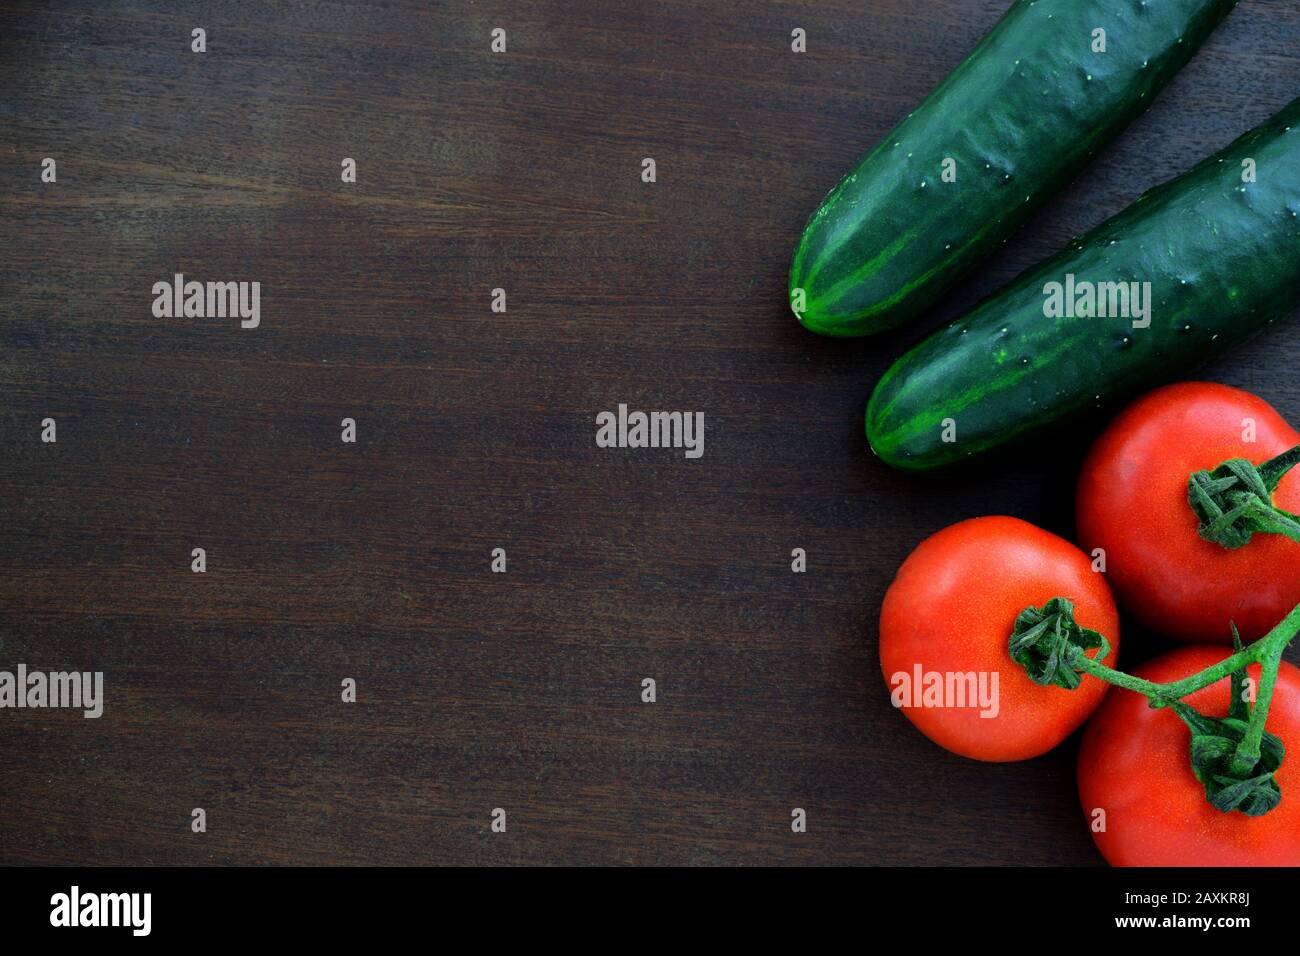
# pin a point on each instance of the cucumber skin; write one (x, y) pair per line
(1223, 259)
(1021, 116)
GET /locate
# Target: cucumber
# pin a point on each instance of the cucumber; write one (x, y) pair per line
(1221, 254)
(1018, 119)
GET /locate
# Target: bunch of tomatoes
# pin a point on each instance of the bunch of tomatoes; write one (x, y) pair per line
(1186, 519)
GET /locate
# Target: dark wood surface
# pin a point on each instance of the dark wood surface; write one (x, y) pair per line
(480, 690)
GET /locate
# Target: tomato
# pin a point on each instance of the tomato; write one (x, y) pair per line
(950, 612)
(1134, 764)
(1132, 502)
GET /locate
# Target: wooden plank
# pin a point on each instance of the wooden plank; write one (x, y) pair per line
(325, 561)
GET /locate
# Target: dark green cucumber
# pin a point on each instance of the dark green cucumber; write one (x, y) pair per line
(1221, 254)
(1019, 118)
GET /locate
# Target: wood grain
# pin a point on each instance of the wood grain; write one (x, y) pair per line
(480, 690)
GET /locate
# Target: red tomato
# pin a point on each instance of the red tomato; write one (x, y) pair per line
(950, 611)
(1132, 501)
(1134, 764)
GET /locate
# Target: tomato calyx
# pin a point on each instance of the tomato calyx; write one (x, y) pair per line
(1233, 756)
(1236, 775)
(1234, 501)
(1047, 642)
(1215, 744)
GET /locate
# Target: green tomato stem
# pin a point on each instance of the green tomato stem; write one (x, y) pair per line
(1226, 753)
(1111, 676)
(1273, 469)
(1248, 749)
(1234, 786)
(1267, 651)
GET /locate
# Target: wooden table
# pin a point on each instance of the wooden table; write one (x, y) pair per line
(475, 430)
